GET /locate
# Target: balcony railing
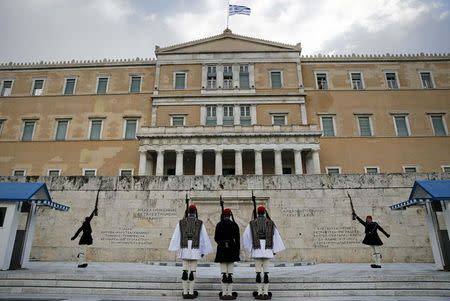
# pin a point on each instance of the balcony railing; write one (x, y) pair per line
(234, 130)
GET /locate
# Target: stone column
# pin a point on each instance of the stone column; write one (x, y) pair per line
(303, 114)
(142, 163)
(258, 162)
(179, 163)
(278, 162)
(160, 163)
(237, 114)
(199, 162)
(238, 162)
(315, 162)
(298, 162)
(219, 114)
(218, 162)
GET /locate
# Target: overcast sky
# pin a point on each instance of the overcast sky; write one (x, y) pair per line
(35, 30)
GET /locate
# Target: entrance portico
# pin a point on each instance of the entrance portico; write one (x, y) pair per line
(225, 151)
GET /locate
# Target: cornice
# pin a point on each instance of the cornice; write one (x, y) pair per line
(375, 57)
(78, 64)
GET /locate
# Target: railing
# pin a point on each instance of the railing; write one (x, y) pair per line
(232, 130)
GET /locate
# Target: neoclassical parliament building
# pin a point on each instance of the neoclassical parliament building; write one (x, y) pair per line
(226, 105)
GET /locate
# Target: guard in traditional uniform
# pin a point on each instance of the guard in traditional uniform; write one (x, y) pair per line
(191, 241)
(228, 245)
(372, 239)
(262, 240)
(85, 240)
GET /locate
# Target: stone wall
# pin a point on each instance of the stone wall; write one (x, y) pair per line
(312, 212)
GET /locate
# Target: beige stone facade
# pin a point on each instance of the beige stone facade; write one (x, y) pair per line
(227, 104)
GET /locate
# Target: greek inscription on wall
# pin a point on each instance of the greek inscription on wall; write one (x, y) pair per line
(297, 212)
(125, 237)
(335, 237)
(154, 213)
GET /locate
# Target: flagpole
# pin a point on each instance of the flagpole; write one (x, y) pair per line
(228, 12)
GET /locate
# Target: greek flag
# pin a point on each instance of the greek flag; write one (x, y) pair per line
(238, 9)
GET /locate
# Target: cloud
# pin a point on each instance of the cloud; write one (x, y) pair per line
(37, 30)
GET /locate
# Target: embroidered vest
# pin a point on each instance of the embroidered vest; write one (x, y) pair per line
(190, 230)
(268, 227)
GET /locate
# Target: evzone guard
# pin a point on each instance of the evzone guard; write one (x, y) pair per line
(262, 240)
(191, 241)
(85, 240)
(228, 245)
(371, 238)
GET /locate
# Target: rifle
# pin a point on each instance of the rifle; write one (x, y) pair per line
(351, 205)
(187, 206)
(254, 205)
(96, 199)
(221, 206)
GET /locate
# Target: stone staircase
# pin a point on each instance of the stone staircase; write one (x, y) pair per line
(144, 285)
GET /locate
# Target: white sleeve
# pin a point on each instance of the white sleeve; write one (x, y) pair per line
(205, 244)
(175, 241)
(278, 244)
(247, 239)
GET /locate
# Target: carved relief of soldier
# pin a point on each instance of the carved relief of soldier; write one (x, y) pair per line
(85, 240)
(191, 242)
(372, 239)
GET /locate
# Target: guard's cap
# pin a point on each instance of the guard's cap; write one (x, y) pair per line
(227, 211)
(261, 210)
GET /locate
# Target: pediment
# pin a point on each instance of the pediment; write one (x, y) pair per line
(227, 42)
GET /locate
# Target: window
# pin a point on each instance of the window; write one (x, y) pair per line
(54, 172)
(95, 131)
(126, 172)
(357, 82)
(439, 129)
(38, 87)
(102, 85)
(211, 118)
(333, 170)
(401, 125)
(89, 172)
(211, 77)
(227, 77)
(246, 119)
(69, 86)
(244, 82)
(279, 119)
(427, 80)
(180, 80)
(6, 88)
(135, 86)
(2, 215)
(2, 122)
(391, 80)
(327, 125)
(365, 127)
(19, 172)
(445, 168)
(228, 116)
(275, 79)
(321, 81)
(61, 129)
(409, 169)
(372, 170)
(130, 129)
(177, 120)
(28, 130)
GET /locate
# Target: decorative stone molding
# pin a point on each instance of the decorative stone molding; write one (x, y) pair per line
(78, 63)
(375, 57)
